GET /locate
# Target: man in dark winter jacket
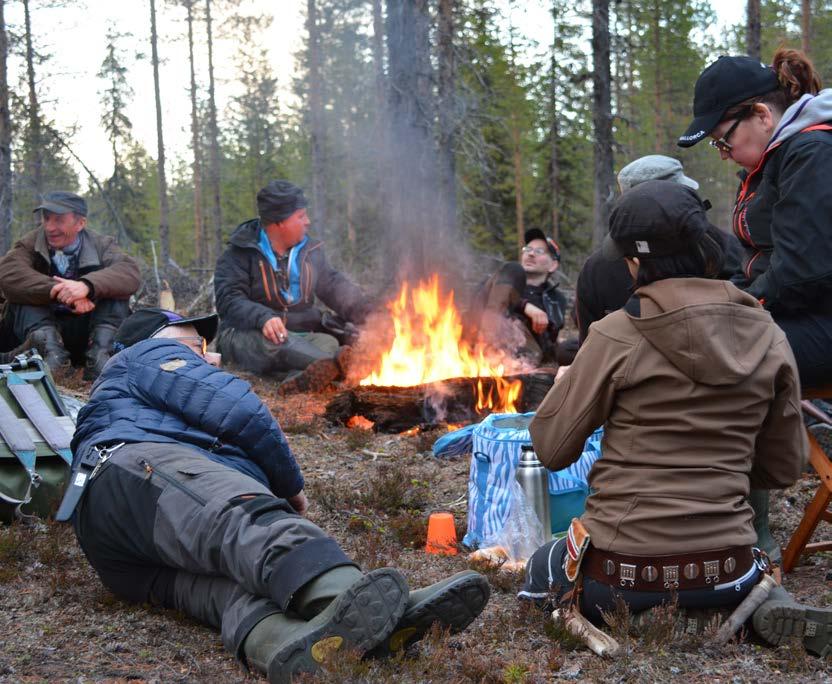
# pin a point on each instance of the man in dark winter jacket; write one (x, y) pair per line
(67, 287)
(266, 285)
(194, 501)
(521, 307)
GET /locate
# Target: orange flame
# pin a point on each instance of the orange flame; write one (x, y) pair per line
(428, 347)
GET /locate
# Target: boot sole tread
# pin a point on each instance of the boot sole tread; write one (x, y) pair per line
(786, 620)
(363, 616)
(454, 606)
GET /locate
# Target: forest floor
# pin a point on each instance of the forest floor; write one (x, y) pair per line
(373, 493)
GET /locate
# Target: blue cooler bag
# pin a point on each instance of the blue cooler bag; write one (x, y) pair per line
(495, 454)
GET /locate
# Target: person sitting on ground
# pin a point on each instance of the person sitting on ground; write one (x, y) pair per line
(67, 287)
(521, 306)
(699, 396)
(266, 284)
(194, 501)
(605, 285)
(775, 122)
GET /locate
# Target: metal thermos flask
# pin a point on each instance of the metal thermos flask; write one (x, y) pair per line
(533, 478)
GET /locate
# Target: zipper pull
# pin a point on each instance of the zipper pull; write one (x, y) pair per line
(147, 468)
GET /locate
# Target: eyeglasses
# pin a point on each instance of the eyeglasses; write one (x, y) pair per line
(722, 143)
(194, 341)
(537, 251)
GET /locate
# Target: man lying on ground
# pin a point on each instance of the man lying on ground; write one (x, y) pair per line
(191, 499)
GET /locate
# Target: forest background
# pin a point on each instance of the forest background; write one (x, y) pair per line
(431, 129)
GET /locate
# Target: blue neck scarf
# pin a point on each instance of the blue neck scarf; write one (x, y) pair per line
(61, 257)
(293, 294)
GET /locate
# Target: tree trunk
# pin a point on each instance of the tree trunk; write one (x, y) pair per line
(753, 29)
(517, 156)
(658, 142)
(455, 400)
(316, 119)
(447, 118)
(200, 248)
(5, 142)
(806, 25)
(414, 188)
(602, 120)
(35, 151)
(214, 136)
(164, 211)
(554, 132)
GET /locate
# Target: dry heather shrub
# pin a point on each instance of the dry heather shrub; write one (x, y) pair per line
(392, 489)
(410, 529)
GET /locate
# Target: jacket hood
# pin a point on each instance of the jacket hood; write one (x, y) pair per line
(246, 234)
(708, 329)
(809, 110)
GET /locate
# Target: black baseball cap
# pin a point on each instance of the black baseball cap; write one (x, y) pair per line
(723, 84)
(145, 323)
(537, 234)
(279, 200)
(655, 219)
(62, 202)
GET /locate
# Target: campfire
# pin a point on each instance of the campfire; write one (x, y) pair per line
(428, 347)
(430, 374)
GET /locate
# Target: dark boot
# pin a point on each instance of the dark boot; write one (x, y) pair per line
(453, 604)
(781, 617)
(318, 375)
(358, 618)
(99, 351)
(759, 500)
(47, 340)
(9, 356)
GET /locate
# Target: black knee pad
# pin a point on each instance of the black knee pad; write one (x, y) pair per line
(264, 509)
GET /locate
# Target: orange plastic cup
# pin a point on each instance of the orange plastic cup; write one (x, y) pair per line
(441, 535)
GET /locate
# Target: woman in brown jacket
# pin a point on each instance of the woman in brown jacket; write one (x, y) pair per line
(699, 394)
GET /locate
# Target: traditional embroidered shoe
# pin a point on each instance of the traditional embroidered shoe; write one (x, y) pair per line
(781, 617)
(453, 603)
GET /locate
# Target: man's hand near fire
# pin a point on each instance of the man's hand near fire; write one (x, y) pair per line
(538, 317)
(275, 331)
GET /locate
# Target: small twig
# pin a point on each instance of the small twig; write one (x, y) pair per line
(205, 289)
(374, 454)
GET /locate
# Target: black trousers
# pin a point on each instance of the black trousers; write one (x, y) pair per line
(545, 577)
(810, 337)
(75, 329)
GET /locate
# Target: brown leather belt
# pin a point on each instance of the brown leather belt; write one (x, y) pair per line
(662, 573)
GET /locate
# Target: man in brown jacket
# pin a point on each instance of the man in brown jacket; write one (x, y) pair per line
(67, 288)
(699, 396)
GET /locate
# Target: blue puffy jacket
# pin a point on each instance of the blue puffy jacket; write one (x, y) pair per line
(159, 390)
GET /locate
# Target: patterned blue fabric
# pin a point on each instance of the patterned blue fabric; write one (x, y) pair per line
(158, 390)
(455, 443)
(496, 443)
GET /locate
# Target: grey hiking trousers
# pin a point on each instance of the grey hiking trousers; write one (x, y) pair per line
(161, 523)
(250, 351)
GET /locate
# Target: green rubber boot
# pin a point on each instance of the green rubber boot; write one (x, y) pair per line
(759, 500)
(781, 617)
(359, 618)
(453, 603)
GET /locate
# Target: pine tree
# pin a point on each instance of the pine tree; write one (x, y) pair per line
(5, 141)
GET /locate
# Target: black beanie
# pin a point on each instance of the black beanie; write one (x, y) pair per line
(279, 200)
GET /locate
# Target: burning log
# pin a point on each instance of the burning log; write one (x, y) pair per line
(456, 400)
